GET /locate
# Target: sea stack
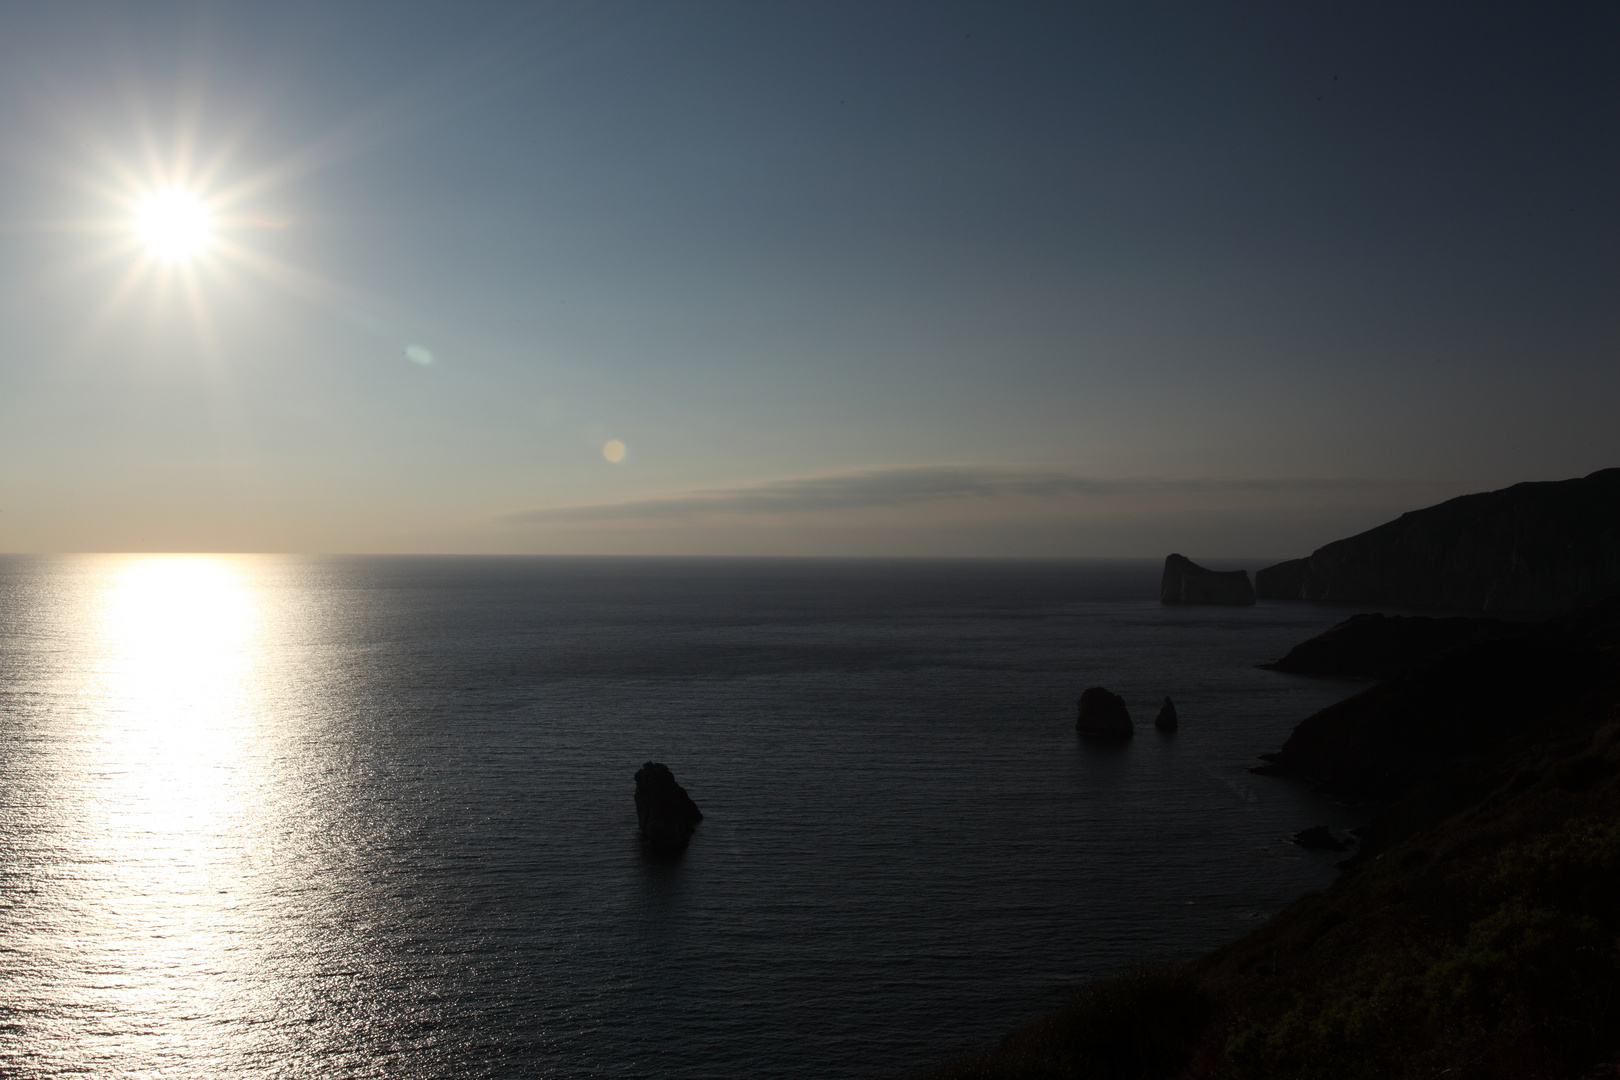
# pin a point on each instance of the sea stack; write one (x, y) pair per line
(1103, 716)
(1166, 720)
(665, 811)
(1185, 582)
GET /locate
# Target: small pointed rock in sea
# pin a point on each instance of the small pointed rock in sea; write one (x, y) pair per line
(1167, 716)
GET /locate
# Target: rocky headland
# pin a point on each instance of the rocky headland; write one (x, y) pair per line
(1474, 933)
(1539, 547)
(1185, 582)
(1377, 645)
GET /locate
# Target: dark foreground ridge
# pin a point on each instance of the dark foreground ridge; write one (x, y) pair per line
(666, 813)
(1538, 547)
(1476, 932)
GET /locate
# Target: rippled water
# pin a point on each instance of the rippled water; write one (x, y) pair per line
(373, 817)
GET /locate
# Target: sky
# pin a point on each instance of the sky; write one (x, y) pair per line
(799, 278)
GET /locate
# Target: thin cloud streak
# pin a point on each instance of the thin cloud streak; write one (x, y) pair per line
(907, 486)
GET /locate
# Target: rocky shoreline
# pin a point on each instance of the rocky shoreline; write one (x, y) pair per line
(1474, 932)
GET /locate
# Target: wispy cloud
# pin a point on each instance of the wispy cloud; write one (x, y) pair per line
(906, 486)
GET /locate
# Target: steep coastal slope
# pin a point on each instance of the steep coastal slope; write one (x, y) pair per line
(1476, 933)
(1537, 547)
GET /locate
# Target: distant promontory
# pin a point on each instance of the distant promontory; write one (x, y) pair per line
(1537, 547)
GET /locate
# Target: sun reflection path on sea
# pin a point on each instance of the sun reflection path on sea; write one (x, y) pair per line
(174, 674)
(167, 857)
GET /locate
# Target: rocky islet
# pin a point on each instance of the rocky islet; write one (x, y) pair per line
(1103, 716)
(666, 814)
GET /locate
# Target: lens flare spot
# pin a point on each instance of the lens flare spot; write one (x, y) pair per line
(418, 354)
(613, 450)
(172, 224)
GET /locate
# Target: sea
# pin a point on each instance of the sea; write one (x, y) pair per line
(373, 817)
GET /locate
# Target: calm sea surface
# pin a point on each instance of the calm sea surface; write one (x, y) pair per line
(372, 817)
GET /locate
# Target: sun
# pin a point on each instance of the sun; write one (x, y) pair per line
(173, 224)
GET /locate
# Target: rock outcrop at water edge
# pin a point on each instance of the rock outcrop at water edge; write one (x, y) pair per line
(665, 811)
(1320, 838)
(1185, 582)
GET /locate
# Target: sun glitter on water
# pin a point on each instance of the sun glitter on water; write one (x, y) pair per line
(173, 225)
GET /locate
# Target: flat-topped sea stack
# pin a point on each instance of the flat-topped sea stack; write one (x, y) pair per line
(1103, 717)
(1538, 547)
(665, 811)
(1185, 582)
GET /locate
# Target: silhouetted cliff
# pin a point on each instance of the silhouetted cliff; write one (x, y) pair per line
(1537, 547)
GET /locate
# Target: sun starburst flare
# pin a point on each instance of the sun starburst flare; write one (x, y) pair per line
(173, 224)
(186, 234)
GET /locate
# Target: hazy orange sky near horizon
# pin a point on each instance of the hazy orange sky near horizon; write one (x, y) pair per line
(802, 279)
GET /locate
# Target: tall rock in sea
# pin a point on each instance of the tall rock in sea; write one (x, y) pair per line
(1185, 582)
(1103, 716)
(1537, 547)
(665, 811)
(1166, 720)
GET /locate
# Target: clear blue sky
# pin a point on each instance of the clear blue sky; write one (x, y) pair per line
(840, 278)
